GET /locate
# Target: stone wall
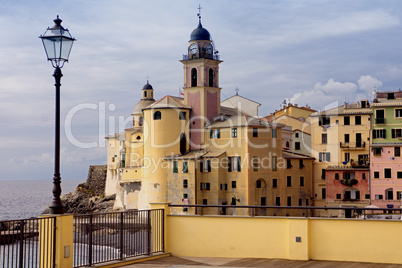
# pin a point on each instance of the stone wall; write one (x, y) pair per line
(96, 180)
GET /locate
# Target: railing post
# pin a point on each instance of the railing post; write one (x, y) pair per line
(149, 232)
(121, 234)
(21, 261)
(90, 241)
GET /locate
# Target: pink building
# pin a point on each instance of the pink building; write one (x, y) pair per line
(347, 186)
(386, 175)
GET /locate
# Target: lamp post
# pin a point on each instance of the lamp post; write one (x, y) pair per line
(57, 42)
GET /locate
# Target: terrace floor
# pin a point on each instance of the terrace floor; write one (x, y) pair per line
(193, 262)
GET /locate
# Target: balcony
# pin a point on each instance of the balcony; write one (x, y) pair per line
(352, 145)
(380, 121)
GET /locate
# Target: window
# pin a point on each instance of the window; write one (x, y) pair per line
(205, 165)
(300, 202)
(323, 193)
(307, 202)
(338, 196)
(211, 77)
(274, 163)
(205, 201)
(398, 113)
(182, 115)
(398, 195)
(274, 134)
(183, 143)
(301, 165)
(390, 96)
(185, 183)
(274, 183)
(297, 145)
(296, 135)
(175, 167)
(323, 174)
(387, 173)
(378, 196)
(255, 163)
(358, 120)
(185, 167)
(301, 181)
(347, 195)
(255, 132)
(324, 138)
(336, 176)
(205, 186)
(380, 116)
(234, 132)
(263, 201)
(377, 151)
(194, 77)
(396, 133)
(157, 115)
(346, 120)
(233, 184)
(324, 157)
(277, 201)
(399, 174)
(324, 121)
(347, 140)
(224, 186)
(397, 151)
(379, 133)
(347, 157)
(258, 184)
(289, 163)
(363, 176)
(236, 163)
(289, 181)
(389, 194)
(289, 201)
(215, 134)
(367, 196)
(376, 174)
(233, 203)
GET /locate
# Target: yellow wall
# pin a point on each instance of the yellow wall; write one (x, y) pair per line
(321, 239)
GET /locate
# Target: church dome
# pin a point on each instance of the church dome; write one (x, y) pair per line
(141, 105)
(147, 86)
(200, 34)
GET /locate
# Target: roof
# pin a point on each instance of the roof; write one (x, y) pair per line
(141, 105)
(341, 110)
(293, 155)
(238, 96)
(168, 102)
(200, 33)
(386, 103)
(214, 154)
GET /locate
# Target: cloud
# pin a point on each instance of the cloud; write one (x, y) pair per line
(368, 83)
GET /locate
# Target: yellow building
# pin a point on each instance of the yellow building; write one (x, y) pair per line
(340, 142)
(193, 150)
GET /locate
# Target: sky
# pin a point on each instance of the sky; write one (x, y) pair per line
(316, 53)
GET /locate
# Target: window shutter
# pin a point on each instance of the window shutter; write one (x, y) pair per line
(385, 132)
(238, 164)
(357, 194)
(209, 165)
(393, 133)
(328, 157)
(201, 166)
(374, 134)
(229, 164)
(210, 133)
(219, 133)
(320, 157)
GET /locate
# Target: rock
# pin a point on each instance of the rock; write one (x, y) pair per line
(89, 197)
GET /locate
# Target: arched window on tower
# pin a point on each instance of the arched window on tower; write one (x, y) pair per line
(194, 77)
(211, 77)
(141, 121)
(157, 115)
(145, 94)
(183, 145)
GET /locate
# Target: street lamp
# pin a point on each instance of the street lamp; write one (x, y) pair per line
(57, 42)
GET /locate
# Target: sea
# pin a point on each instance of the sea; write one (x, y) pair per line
(23, 199)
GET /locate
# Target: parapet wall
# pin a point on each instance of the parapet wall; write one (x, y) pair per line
(376, 241)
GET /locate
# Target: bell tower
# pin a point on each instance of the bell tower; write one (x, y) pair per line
(201, 83)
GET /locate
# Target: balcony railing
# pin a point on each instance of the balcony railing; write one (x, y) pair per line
(380, 121)
(352, 145)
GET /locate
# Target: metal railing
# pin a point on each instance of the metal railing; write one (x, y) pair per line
(349, 211)
(22, 242)
(115, 236)
(352, 145)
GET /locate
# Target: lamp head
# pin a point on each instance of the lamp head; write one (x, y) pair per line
(57, 42)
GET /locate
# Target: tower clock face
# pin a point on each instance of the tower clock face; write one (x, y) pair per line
(193, 48)
(209, 48)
